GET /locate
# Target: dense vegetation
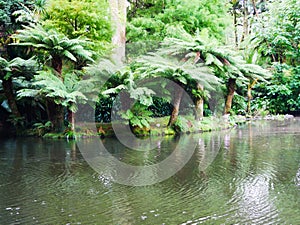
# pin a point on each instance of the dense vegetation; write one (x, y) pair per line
(55, 55)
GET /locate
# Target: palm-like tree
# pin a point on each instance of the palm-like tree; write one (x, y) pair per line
(57, 45)
(181, 72)
(60, 48)
(68, 93)
(9, 70)
(225, 63)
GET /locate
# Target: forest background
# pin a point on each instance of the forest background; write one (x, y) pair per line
(56, 54)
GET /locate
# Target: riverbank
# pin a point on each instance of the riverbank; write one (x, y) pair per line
(158, 127)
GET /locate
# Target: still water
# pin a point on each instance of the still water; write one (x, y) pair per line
(248, 175)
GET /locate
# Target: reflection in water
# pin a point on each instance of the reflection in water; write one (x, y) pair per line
(138, 167)
(244, 176)
(253, 195)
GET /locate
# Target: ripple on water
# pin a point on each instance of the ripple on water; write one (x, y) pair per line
(63, 191)
(248, 182)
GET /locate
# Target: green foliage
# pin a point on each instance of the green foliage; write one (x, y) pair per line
(41, 128)
(185, 38)
(160, 107)
(70, 134)
(16, 121)
(17, 67)
(54, 43)
(81, 18)
(276, 35)
(145, 8)
(161, 65)
(9, 24)
(7, 8)
(129, 83)
(143, 28)
(106, 74)
(149, 20)
(103, 108)
(239, 105)
(181, 125)
(68, 92)
(138, 115)
(224, 62)
(15, 74)
(200, 94)
(282, 94)
(275, 39)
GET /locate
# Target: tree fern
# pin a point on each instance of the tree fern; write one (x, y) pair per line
(57, 45)
(69, 92)
(9, 71)
(200, 50)
(157, 65)
(219, 58)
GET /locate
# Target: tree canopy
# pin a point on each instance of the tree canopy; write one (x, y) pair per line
(81, 18)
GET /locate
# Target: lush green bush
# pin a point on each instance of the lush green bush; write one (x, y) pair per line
(150, 21)
(281, 95)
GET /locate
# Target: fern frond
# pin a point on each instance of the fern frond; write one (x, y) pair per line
(114, 90)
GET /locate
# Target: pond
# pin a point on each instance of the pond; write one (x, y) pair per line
(247, 175)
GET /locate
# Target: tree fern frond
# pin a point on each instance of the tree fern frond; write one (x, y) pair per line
(53, 42)
(114, 90)
(69, 55)
(27, 93)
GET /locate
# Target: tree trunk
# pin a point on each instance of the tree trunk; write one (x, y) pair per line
(55, 115)
(199, 105)
(118, 13)
(57, 64)
(229, 98)
(236, 39)
(245, 21)
(9, 94)
(176, 105)
(249, 95)
(55, 111)
(71, 120)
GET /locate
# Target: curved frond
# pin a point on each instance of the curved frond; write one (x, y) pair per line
(53, 42)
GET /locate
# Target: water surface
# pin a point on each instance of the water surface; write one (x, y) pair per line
(249, 175)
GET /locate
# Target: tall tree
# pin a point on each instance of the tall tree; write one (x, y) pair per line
(118, 9)
(234, 11)
(68, 92)
(181, 72)
(9, 24)
(225, 63)
(60, 48)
